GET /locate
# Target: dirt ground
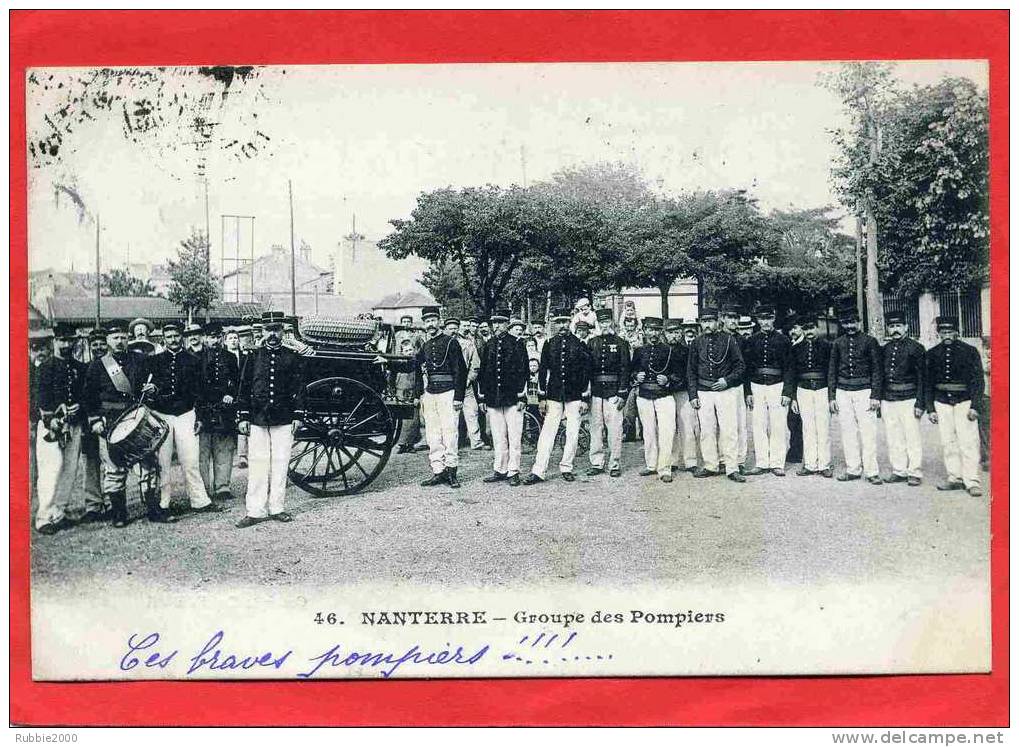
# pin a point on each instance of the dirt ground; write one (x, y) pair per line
(593, 531)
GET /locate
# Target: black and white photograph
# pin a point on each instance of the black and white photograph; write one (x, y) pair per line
(509, 370)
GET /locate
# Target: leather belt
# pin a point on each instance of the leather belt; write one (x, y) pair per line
(909, 386)
(705, 383)
(651, 386)
(951, 387)
(607, 378)
(768, 372)
(812, 376)
(856, 381)
(440, 378)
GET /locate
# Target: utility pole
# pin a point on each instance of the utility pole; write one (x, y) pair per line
(861, 302)
(353, 237)
(293, 254)
(99, 280)
(208, 240)
(875, 308)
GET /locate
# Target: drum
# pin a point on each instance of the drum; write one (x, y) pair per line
(135, 435)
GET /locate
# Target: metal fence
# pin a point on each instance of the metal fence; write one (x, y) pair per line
(964, 304)
(910, 307)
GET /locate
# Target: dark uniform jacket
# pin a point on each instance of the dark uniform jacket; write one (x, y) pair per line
(903, 370)
(610, 366)
(955, 374)
(714, 356)
(502, 380)
(33, 392)
(855, 364)
(564, 370)
(102, 399)
(442, 362)
(766, 356)
(61, 382)
(221, 376)
(808, 365)
(272, 387)
(178, 380)
(659, 359)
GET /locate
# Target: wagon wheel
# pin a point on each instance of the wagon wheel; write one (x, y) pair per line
(345, 439)
(532, 428)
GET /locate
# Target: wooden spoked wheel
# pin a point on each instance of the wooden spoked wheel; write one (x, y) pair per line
(345, 439)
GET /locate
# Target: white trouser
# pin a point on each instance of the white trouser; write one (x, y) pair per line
(550, 429)
(691, 433)
(769, 426)
(470, 413)
(859, 431)
(684, 449)
(719, 410)
(441, 430)
(507, 430)
(902, 431)
(816, 418)
(605, 416)
(58, 469)
(183, 438)
(242, 447)
(216, 460)
(960, 443)
(268, 461)
(658, 418)
(741, 429)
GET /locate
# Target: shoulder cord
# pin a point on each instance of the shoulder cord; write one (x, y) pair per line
(667, 360)
(725, 352)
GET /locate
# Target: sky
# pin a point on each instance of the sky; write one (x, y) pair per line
(366, 140)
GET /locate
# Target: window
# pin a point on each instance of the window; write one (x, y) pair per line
(908, 306)
(964, 304)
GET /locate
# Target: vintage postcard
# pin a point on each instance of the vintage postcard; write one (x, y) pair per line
(509, 370)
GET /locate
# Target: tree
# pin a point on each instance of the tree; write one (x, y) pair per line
(485, 232)
(122, 283)
(192, 286)
(811, 265)
(928, 185)
(705, 235)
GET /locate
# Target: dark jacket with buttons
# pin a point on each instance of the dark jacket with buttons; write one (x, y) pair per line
(442, 361)
(221, 376)
(564, 370)
(808, 366)
(955, 374)
(272, 387)
(903, 370)
(610, 366)
(61, 382)
(102, 399)
(659, 359)
(178, 381)
(855, 364)
(766, 356)
(502, 380)
(714, 356)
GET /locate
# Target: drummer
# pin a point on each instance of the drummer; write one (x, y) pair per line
(114, 383)
(177, 377)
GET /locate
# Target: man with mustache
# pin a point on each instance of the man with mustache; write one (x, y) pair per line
(955, 384)
(904, 363)
(442, 362)
(502, 395)
(854, 394)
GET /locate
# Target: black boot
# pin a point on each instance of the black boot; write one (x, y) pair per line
(451, 477)
(436, 479)
(156, 514)
(118, 512)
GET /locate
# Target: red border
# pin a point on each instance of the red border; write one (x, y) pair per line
(192, 37)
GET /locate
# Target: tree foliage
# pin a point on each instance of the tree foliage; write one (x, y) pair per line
(122, 283)
(927, 182)
(192, 286)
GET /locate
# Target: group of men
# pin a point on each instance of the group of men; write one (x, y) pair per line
(212, 393)
(698, 387)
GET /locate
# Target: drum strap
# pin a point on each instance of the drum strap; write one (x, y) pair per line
(117, 375)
